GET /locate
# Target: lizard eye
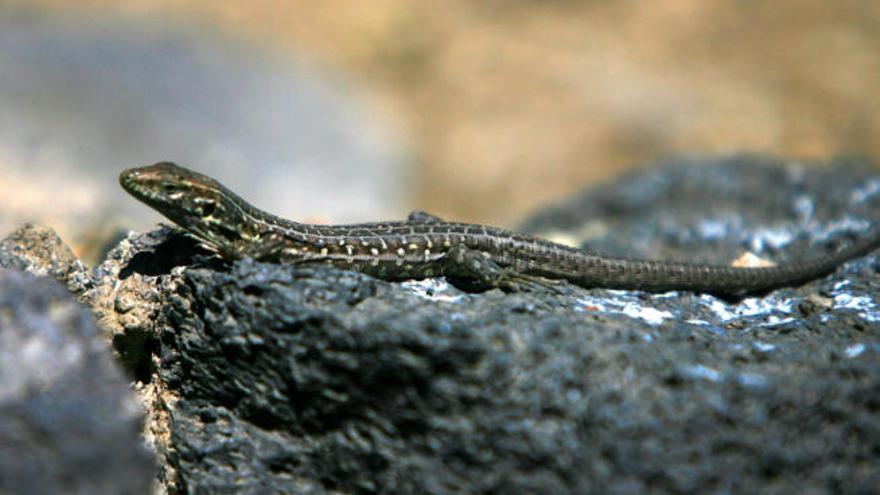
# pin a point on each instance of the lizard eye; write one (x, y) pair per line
(208, 208)
(169, 188)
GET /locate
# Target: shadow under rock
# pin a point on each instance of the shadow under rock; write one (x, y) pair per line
(180, 249)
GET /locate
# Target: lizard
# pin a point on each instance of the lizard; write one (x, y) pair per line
(471, 256)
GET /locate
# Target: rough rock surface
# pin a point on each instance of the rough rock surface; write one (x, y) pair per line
(266, 378)
(316, 379)
(68, 420)
(40, 251)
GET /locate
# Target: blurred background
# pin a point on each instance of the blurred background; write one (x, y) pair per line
(345, 110)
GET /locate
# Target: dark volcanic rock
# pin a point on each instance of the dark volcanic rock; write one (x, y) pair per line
(275, 378)
(125, 293)
(264, 378)
(68, 420)
(40, 251)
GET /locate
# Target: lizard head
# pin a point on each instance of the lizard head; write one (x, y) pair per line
(195, 202)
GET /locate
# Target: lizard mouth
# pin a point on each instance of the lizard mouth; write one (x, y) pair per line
(127, 178)
(136, 183)
(152, 184)
(148, 185)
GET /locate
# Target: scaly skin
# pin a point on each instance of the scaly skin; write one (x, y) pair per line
(424, 246)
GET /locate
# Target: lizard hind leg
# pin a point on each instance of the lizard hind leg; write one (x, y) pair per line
(474, 271)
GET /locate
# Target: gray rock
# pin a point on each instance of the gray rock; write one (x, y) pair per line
(68, 420)
(279, 378)
(41, 252)
(264, 378)
(124, 295)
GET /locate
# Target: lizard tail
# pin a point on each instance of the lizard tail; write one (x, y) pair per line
(662, 276)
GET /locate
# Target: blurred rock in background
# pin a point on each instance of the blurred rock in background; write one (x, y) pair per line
(501, 106)
(85, 97)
